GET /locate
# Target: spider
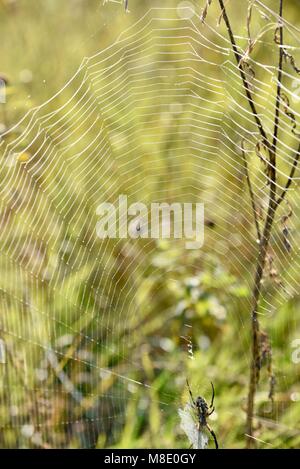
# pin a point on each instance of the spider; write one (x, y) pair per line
(203, 411)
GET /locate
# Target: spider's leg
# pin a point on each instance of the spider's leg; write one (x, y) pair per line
(213, 396)
(213, 435)
(191, 395)
(199, 438)
(211, 411)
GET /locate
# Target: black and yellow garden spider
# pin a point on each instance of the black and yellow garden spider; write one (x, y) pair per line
(203, 411)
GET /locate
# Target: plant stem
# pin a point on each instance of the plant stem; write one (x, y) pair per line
(272, 207)
(256, 293)
(251, 193)
(243, 76)
(265, 240)
(290, 178)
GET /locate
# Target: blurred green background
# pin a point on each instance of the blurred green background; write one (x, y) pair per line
(95, 334)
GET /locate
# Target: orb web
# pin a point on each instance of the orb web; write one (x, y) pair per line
(160, 116)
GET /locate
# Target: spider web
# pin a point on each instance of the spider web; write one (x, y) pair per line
(160, 115)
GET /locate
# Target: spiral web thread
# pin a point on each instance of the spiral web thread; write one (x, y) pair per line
(160, 116)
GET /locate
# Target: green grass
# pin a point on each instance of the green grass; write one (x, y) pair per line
(125, 306)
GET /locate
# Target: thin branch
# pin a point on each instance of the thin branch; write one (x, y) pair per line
(278, 92)
(273, 204)
(243, 76)
(261, 261)
(290, 178)
(269, 220)
(251, 192)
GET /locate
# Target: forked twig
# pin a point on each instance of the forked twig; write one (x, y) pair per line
(273, 204)
(254, 209)
(246, 85)
(279, 85)
(291, 175)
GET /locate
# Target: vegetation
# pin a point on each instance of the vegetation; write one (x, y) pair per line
(97, 337)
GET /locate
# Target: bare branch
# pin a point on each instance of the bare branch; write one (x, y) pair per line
(261, 261)
(290, 178)
(278, 92)
(243, 76)
(250, 191)
(205, 11)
